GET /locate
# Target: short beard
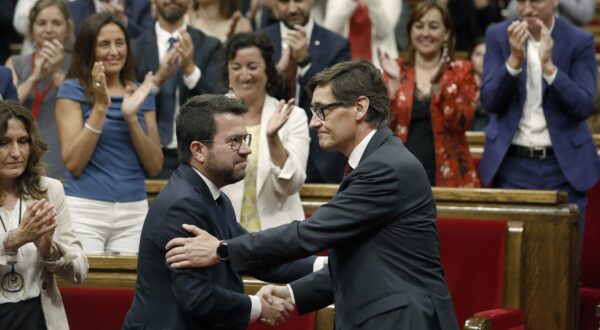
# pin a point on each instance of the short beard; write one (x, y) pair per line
(170, 16)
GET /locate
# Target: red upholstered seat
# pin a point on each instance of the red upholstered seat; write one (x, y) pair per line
(96, 309)
(472, 253)
(295, 322)
(590, 262)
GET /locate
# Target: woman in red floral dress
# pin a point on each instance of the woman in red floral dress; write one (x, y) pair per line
(433, 98)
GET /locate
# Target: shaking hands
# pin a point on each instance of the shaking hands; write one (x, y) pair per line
(276, 303)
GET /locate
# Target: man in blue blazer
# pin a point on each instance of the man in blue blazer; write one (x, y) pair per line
(136, 14)
(384, 269)
(539, 84)
(309, 48)
(213, 146)
(8, 92)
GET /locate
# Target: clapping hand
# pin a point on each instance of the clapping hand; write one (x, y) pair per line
(276, 304)
(133, 100)
(517, 35)
(100, 87)
(279, 117)
(297, 41)
(38, 220)
(545, 50)
(391, 68)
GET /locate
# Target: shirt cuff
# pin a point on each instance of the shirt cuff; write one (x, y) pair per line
(512, 71)
(256, 308)
(320, 263)
(291, 294)
(550, 79)
(191, 80)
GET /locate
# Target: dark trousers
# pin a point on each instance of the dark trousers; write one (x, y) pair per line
(544, 174)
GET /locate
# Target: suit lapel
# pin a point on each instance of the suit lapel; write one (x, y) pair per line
(150, 49)
(314, 47)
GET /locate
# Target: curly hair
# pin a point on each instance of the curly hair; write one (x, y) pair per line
(28, 183)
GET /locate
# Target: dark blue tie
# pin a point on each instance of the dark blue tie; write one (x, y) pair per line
(166, 104)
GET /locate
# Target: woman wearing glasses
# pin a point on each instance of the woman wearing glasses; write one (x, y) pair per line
(109, 138)
(268, 196)
(432, 98)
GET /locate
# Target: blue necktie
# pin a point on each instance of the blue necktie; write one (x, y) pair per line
(166, 103)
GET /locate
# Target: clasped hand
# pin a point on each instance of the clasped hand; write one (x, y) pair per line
(276, 304)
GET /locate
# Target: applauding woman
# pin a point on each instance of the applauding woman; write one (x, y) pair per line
(36, 239)
(109, 138)
(39, 75)
(433, 98)
(268, 196)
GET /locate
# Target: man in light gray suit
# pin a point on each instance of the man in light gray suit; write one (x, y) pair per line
(384, 267)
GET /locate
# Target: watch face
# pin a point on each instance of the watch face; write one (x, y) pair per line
(223, 251)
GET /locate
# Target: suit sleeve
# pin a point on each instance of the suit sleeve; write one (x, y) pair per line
(313, 292)
(576, 90)
(194, 288)
(374, 196)
(498, 86)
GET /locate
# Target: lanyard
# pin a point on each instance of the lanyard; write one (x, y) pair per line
(38, 97)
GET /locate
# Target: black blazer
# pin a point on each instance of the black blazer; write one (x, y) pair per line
(206, 57)
(384, 265)
(195, 298)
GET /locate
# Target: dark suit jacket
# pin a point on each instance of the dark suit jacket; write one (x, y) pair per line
(206, 57)
(138, 12)
(567, 103)
(384, 265)
(7, 88)
(195, 298)
(326, 49)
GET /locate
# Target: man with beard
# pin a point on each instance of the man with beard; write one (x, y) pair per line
(185, 63)
(213, 147)
(303, 49)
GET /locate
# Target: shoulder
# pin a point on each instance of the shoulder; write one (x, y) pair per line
(5, 72)
(572, 31)
(328, 34)
(71, 89)
(499, 28)
(54, 187)
(460, 65)
(271, 30)
(202, 40)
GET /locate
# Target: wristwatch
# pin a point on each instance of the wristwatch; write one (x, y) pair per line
(223, 251)
(305, 62)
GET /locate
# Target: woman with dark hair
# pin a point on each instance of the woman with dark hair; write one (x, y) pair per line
(218, 18)
(109, 138)
(476, 54)
(39, 75)
(432, 98)
(36, 238)
(268, 196)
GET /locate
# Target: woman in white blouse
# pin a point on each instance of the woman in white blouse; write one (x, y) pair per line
(276, 169)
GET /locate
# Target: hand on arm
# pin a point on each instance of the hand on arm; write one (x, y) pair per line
(196, 252)
(185, 48)
(435, 80)
(517, 35)
(116, 9)
(54, 53)
(167, 67)
(297, 41)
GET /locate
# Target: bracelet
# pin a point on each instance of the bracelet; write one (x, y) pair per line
(9, 243)
(97, 131)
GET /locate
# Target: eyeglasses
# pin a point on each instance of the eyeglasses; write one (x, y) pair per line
(319, 109)
(235, 142)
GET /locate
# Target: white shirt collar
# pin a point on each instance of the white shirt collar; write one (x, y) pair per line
(359, 150)
(214, 191)
(308, 27)
(162, 35)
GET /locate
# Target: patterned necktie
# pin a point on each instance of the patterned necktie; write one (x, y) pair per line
(171, 42)
(347, 170)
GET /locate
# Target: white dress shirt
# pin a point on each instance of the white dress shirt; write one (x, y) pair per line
(162, 40)
(533, 129)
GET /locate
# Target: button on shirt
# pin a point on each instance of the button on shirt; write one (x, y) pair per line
(162, 40)
(533, 129)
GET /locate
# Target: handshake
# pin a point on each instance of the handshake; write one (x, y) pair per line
(276, 304)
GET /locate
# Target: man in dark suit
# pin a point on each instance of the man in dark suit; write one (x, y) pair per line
(213, 147)
(185, 62)
(135, 14)
(8, 92)
(303, 49)
(384, 265)
(539, 84)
